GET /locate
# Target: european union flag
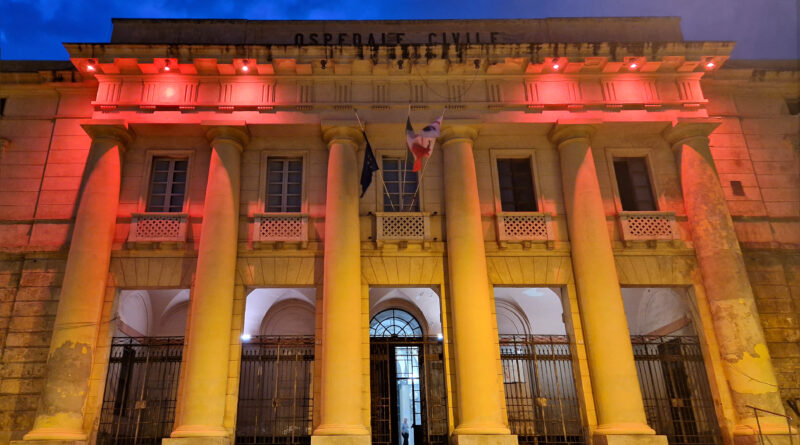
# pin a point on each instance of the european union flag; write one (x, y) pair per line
(369, 167)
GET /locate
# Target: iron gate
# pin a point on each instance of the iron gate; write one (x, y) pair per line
(541, 399)
(675, 389)
(276, 391)
(141, 390)
(430, 424)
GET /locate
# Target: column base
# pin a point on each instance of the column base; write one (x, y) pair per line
(628, 439)
(206, 440)
(342, 439)
(484, 439)
(774, 431)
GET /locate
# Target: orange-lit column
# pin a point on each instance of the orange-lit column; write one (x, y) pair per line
(746, 360)
(480, 403)
(69, 363)
(615, 385)
(341, 378)
(201, 407)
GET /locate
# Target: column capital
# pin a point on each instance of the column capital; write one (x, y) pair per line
(457, 131)
(339, 131)
(684, 130)
(116, 130)
(564, 131)
(232, 131)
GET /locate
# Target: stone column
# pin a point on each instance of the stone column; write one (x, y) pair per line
(342, 375)
(69, 362)
(201, 406)
(738, 330)
(615, 384)
(480, 402)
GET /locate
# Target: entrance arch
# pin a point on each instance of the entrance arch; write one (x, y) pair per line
(406, 381)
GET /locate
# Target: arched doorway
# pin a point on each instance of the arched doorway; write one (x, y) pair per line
(406, 381)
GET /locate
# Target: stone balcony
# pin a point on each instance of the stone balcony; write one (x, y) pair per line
(157, 228)
(278, 229)
(651, 228)
(525, 228)
(402, 228)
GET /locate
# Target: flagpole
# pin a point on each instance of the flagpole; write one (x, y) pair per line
(379, 169)
(405, 166)
(422, 173)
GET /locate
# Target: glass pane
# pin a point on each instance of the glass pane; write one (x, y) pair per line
(296, 165)
(161, 165)
(157, 200)
(275, 189)
(159, 189)
(178, 189)
(176, 201)
(160, 176)
(294, 189)
(275, 177)
(181, 165)
(295, 177)
(274, 201)
(179, 177)
(274, 165)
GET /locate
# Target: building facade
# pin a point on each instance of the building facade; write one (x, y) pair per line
(603, 247)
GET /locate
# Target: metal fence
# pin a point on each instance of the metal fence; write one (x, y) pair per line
(276, 391)
(541, 399)
(141, 390)
(675, 389)
(427, 385)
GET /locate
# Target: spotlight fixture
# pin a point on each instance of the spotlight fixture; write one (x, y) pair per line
(245, 68)
(556, 66)
(633, 66)
(323, 63)
(400, 64)
(246, 337)
(477, 63)
(90, 66)
(710, 65)
(166, 66)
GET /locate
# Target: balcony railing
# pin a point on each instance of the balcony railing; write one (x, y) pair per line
(158, 227)
(403, 227)
(524, 228)
(280, 228)
(647, 226)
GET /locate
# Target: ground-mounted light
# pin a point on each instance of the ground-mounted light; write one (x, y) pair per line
(710, 65)
(245, 68)
(90, 66)
(246, 337)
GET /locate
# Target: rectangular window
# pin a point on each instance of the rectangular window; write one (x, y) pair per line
(284, 184)
(516, 185)
(633, 182)
(167, 185)
(401, 184)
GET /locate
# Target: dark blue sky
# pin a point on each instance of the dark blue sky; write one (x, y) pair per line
(34, 29)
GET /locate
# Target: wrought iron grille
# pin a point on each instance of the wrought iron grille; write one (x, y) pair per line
(429, 425)
(675, 389)
(541, 399)
(141, 390)
(276, 391)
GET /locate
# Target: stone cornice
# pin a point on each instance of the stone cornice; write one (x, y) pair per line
(605, 57)
(116, 130)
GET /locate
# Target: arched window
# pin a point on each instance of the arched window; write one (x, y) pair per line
(394, 322)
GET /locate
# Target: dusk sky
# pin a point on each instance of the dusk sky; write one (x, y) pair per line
(35, 29)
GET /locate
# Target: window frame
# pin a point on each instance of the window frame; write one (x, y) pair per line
(262, 182)
(523, 153)
(646, 153)
(396, 153)
(147, 176)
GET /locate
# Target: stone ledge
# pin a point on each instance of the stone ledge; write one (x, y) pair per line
(629, 439)
(484, 439)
